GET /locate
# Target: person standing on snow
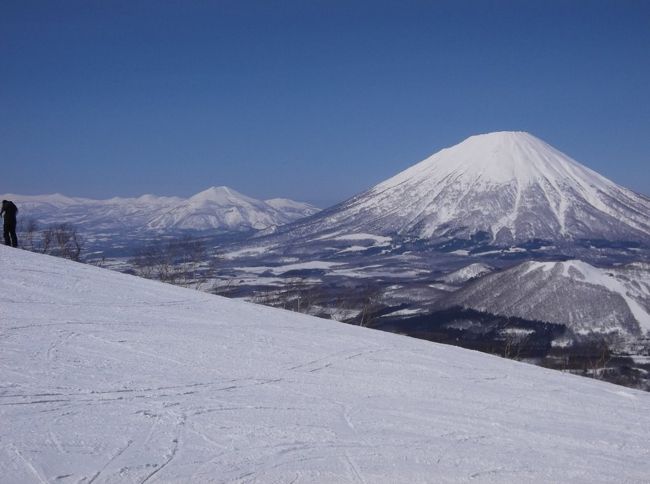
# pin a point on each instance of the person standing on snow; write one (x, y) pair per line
(9, 210)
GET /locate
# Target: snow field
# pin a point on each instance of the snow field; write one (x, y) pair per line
(105, 377)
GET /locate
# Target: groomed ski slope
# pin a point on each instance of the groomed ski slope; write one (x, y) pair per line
(105, 377)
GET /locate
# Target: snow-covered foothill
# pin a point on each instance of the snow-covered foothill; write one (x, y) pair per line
(467, 273)
(586, 298)
(106, 377)
(291, 208)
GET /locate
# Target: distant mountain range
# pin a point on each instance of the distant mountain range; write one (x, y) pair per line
(217, 208)
(505, 188)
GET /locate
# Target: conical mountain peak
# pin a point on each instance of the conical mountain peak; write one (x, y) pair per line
(508, 185)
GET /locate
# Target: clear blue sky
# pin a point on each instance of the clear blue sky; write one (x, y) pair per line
(312, 100)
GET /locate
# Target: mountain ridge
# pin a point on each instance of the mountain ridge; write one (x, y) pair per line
(216, 208)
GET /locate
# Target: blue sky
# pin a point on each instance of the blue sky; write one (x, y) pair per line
(312, 100)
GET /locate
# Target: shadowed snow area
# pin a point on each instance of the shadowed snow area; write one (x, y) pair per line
(105, 377)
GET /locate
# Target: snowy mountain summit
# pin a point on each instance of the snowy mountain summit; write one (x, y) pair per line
(509, 186)
(224, 208)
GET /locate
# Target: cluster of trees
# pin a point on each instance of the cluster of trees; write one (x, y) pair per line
(359, 306)
(604, 357)
(183, 262)
(297, 294)
(60, 240)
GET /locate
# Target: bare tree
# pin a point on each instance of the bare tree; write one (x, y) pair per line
(596, 366)
(175, 262)
(225, 287)
(299, 295)
(149, 262)
(62, 240)
(370, 305)
(192, 257)
(515, 342)
(29, 237)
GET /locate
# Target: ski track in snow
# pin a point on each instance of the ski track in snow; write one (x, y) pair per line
(105, 377)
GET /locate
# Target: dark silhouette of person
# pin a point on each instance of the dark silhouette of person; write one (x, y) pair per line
(9, 210)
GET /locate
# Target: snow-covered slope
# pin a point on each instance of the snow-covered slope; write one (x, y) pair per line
(585, 298)
(467, 273)
(511, 186)
(290, 207)
(220, 208)
(105, 377)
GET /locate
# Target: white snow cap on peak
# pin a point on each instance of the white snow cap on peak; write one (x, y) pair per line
(222, 195)
(220, 190)
(501, 157)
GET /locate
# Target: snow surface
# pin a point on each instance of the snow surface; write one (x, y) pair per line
(277, 270)
(466, 273)
(379, 240)
(247, 252)
(353, 248)
(461, 252)
(105, 377)
(287, 206)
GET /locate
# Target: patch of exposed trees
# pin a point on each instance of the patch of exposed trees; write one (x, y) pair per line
(183, 262)
(61, 240)
(359, 305)
(608, 357)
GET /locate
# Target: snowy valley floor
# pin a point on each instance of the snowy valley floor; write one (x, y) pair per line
(105, 377)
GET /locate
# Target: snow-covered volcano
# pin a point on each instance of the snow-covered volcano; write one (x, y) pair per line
(511, 186)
